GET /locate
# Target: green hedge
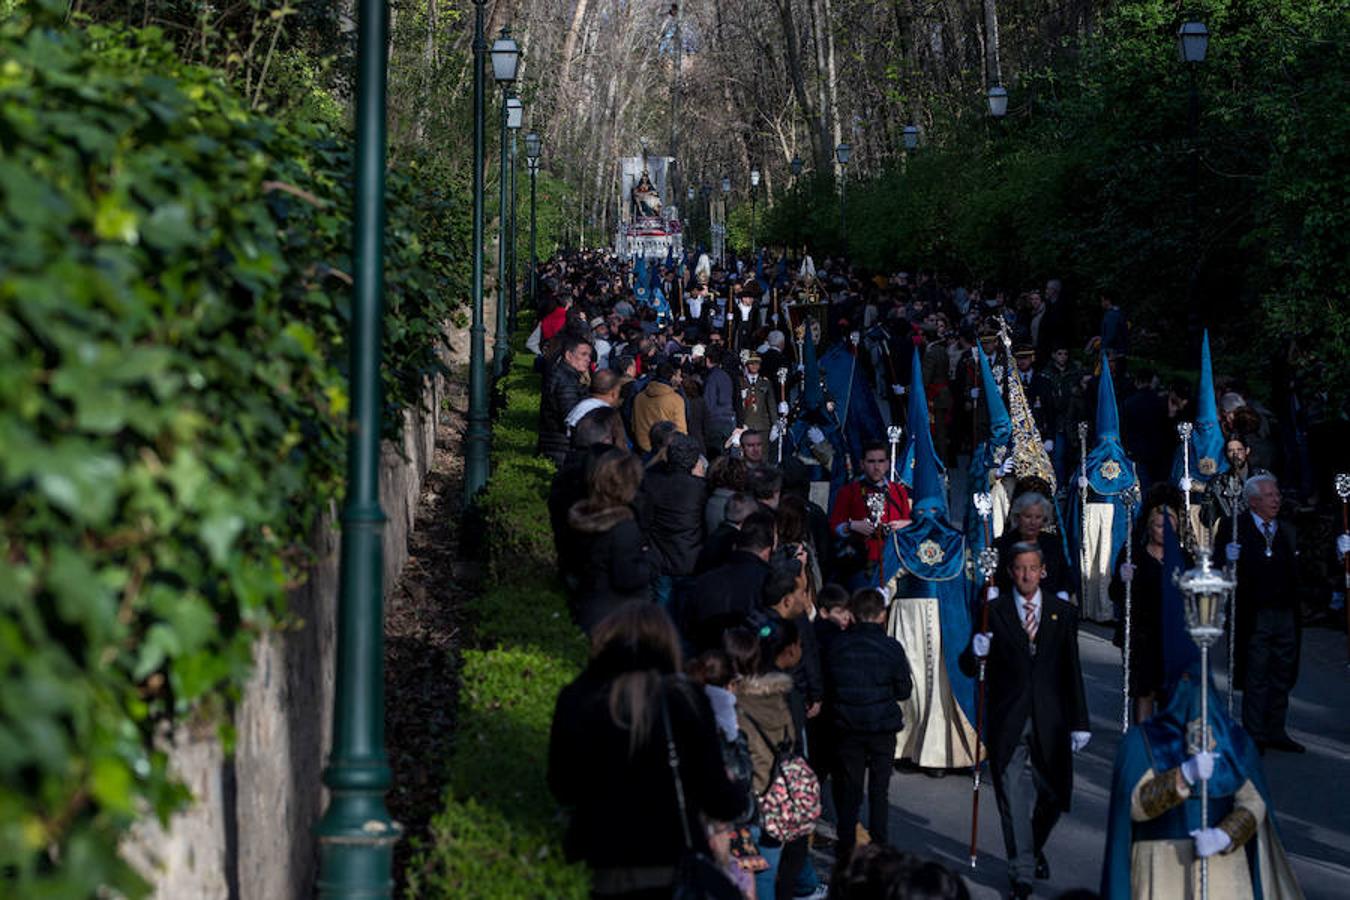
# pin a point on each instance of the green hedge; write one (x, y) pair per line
(173, 317)
(499, 833)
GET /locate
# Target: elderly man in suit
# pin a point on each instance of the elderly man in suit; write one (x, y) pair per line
(1037, 712)
(1268, 628)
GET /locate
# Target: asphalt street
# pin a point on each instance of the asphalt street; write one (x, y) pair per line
(931, 816)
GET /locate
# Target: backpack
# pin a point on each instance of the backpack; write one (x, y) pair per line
(790, 804)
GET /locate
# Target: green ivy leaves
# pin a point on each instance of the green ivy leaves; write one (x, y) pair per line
(172, 412)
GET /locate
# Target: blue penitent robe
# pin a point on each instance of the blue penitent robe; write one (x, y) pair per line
(1160, 745)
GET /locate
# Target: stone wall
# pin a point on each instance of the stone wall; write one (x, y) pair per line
(250, 832)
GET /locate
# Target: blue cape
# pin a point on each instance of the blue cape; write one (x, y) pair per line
(1160, 744)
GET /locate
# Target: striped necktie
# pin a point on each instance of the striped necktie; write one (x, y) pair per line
(1029, 621)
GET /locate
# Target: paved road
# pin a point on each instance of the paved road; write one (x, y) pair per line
(1312, 791)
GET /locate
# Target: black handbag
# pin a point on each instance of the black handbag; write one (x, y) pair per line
(697, 876)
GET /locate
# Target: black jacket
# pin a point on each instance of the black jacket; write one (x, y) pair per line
(1263, 582)
(724, 596)
(624, 810)
(670, 507)
(866, 677)
(566, 490)
(562, 391)
(618, 566)
(1046, 687)
(716, 548)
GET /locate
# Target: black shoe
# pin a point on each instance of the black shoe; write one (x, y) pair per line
(1287, 744)
(1019, 890)
(1042, 867)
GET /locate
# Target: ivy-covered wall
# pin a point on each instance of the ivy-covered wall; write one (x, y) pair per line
(174, 300)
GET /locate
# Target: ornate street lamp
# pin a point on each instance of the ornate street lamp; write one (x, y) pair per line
(843, 153)
(726, 210)
(505, 63)
(506, 294)
(796, 166)
(1192, 42)
(476, 433)
(357, 834)
(533, 146)
(911, 137)
(754, 196)
(998, 101)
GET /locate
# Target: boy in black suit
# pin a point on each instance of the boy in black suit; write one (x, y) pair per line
(1036, 712)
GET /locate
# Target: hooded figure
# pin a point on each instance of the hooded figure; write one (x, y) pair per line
(925, 563)
(1111, 499)
(986, 463)
(1153, 834)
(1207, 458)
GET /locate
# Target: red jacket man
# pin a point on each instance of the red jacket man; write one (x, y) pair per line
(852, 518)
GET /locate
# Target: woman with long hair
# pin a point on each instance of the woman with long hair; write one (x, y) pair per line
(616, 563)
(609, 758)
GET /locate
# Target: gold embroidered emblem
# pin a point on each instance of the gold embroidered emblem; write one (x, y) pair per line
(1110, 470)
(1207, 465)
(930, 553)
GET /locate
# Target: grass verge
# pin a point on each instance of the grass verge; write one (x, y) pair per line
(499, 833)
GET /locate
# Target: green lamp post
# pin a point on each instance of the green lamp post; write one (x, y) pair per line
(533, 145)
(476, 433)
(505, 61)
(357, 834)
(512, 112)
(515, 118)
(843, 153)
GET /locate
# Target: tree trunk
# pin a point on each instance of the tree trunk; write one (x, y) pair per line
(992, 71)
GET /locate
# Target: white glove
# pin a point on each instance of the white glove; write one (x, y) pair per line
(1049, 446)
(1233, 551)
(774, 433)
(815, 435)
(980, 643)
(1209, 841)
(1342, 544)
(735, 439)
(1127, 572)
(887, 593)
(1185, 485)
(1063, 595)
(783, 408)
(898, 390)
(1198, 768)
(993, 592)
(801, 367)
(974, 393)
(1006, 467)
(1082, 482)
(1079, 739)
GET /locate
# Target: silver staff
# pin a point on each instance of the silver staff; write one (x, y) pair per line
(1230, 491)
(1130, 497)
(782, 419)
(1184, 430)
(893, 434)
(1204, 589)
(1082, 514)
